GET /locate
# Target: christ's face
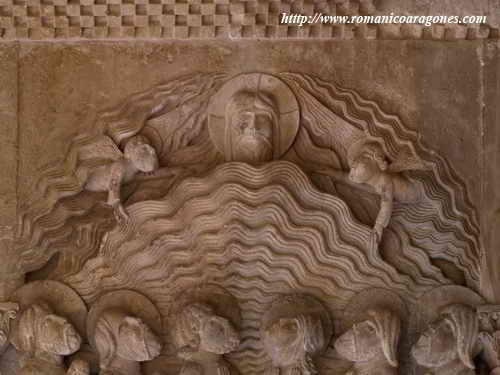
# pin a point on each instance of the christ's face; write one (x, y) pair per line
(252, 136)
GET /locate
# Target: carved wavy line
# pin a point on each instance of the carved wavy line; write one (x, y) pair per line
(389, 123)
(242, 235)
(369, 117)
(416, 257)
(412, 140)
(59, 180)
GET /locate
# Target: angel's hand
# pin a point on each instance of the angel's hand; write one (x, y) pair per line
(377, 231)
(223, 369)
(121, 214)
(113, 200)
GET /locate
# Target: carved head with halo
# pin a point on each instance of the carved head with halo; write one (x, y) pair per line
(254, 118)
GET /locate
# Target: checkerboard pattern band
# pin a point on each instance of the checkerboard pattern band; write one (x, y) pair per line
(202, 19)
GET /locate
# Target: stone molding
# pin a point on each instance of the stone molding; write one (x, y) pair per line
(219, 19)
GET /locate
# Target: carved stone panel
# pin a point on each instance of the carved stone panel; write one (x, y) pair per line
(50, 324)
(232, 213)
(295, 330)
(124, 329)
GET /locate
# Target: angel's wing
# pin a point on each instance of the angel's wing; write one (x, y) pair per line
(407, 163)
(103, 148)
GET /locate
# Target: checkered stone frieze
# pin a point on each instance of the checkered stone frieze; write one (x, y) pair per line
(181, 19)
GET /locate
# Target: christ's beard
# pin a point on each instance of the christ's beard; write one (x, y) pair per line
(253, 149)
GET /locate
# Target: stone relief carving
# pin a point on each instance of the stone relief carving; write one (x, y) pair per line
(204, 331)
(295, 330)
(375, 320)
(372, 341)
(450, 342)
(489, 336)
(48, 327)
(370, 169)
(253, 118)
(239, 21)
(138, 156)
(217, 185)
(174, 118)
(124, 327)
(8, 312)
(448, 345)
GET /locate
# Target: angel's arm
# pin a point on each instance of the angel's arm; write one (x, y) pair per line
(337, 174)
(343, 177)
(165, 172)
(116, 178)
(386, 204)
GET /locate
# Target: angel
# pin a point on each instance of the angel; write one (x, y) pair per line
(138, 162)
(138, 156)
(371, 171)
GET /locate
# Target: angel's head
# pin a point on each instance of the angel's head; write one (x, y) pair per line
(375, 338)
(368, 162)
(452, 336)
(140, 152)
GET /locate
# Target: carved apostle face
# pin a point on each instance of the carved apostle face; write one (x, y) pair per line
(284, 340)
(56, 335)
(285, 332)
(136, 341)
(437, 346)
(252, 119)
(217, 335)
(360, 343)
(291, 339)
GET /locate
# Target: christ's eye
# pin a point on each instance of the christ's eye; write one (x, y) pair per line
(289, 327)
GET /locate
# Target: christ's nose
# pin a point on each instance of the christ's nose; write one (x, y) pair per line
(250, 130)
